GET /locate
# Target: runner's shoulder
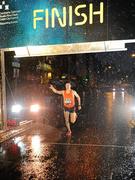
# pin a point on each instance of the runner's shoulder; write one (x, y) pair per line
(62, 92)
(74, 91)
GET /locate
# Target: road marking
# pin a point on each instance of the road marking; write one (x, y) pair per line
(92, 145)
(25, 122)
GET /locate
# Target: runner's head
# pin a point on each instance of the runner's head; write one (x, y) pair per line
(68, 85)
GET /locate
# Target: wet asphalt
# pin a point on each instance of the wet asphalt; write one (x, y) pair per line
(102, 145)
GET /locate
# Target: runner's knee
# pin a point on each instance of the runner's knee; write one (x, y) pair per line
(73, 118)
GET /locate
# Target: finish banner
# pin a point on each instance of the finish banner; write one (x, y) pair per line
(51, 22)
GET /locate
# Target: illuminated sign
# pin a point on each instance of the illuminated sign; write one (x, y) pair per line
(50, 22)
(68, 16)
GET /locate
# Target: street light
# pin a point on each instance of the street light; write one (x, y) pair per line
(35, 108)
(16, 108)
(109, 67)
(133, 55)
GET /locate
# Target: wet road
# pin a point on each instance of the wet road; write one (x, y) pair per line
(102, 146)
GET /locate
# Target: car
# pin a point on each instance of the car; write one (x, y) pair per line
(123, 87)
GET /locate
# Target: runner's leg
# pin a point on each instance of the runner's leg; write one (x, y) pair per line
(66, 115)
(73, 117)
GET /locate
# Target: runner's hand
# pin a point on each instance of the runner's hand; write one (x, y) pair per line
(51, 87)
(79, 107)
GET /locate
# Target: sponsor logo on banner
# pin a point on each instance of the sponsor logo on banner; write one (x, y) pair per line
(7, 14)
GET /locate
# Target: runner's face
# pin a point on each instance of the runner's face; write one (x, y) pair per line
(68, 86)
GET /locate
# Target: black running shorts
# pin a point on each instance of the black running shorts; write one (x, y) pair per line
(70, 110)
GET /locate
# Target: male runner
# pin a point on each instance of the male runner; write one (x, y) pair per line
(69, 104)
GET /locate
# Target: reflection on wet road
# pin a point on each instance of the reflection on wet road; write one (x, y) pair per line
(102, 146)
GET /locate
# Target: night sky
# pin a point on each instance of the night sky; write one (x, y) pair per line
(121, 19)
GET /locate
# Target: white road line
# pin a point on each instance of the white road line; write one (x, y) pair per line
(92, 145)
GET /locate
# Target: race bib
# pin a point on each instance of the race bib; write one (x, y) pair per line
(67, 101)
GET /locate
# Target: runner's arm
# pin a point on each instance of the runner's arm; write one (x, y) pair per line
(55, 90)
(78, 99)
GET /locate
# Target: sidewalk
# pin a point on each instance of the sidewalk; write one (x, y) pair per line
(11, 132)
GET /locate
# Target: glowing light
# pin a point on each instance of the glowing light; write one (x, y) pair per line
(123, 95)
(114, 95)
(63, 77)
(49, 75)
(36, 145)
(109, 67)
(35, 108)
(17, 140)
(133, 55)
(16, 108)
